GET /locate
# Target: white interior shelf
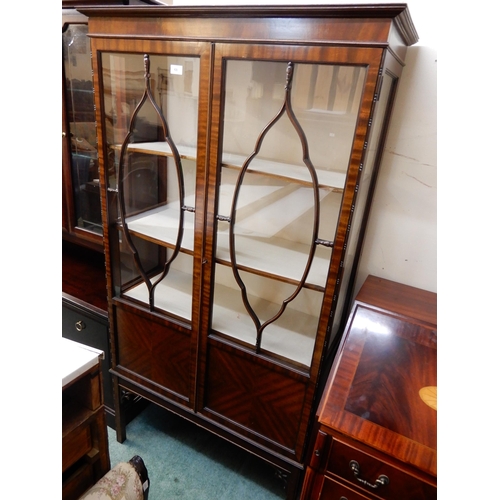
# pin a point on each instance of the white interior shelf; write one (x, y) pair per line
(329, 179)
(161, 224)
(264, 252)
(276, 256)
(161, 148)
(173, 294)
(292, 337)
(326, 178)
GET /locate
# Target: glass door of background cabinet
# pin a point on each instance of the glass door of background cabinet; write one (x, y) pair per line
(80, 133)
(150, 105)
(288, 133)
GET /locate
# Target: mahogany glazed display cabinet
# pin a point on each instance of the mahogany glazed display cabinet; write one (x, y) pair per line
(239, 148)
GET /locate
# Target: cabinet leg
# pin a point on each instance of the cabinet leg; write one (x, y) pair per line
(120, 423)
(291, 482)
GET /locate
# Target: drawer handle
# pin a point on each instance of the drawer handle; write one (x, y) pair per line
(80, 325)
(381, 481)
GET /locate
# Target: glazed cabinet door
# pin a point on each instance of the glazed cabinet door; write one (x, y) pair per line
(292, 123)
(153, 101)
(82, 206)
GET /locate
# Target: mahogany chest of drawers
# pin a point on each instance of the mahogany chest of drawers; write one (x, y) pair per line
(375, 430)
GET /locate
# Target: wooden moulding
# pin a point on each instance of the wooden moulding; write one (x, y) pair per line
(352, 23)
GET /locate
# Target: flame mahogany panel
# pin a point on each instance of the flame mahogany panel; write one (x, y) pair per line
(391, 370)
(244, 390)
(158, 355)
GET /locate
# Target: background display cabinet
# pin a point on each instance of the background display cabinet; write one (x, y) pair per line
(81, 211)
(239, 148)
(84, 301)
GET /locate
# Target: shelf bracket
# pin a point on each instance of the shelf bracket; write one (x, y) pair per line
(223, 218)
(325, 243)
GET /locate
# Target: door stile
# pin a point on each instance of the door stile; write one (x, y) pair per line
(202, 276)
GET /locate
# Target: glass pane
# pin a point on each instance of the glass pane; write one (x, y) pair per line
(364, 185)
(151, 133)
(81, 117)
(286, 151)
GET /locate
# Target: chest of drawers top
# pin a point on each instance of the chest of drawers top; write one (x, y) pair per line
(382, 389)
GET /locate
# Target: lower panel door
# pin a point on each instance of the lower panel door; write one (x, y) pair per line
(154, 353)
(260, 401)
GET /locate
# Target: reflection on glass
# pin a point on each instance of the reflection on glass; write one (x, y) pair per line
(364, 186)
(150, 106)
(281, 174)
(81, 117)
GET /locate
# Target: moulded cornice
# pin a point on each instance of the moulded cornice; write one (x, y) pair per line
(398, 12)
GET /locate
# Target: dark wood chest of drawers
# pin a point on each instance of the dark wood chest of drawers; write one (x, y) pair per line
(375, 431)
(85, 453)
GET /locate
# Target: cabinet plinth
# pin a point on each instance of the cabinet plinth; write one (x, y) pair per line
(238, 151)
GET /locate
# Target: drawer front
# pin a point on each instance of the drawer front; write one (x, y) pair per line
(75, 445)
(80, 326)
(400, 484)
(332, 490)
(78, 482)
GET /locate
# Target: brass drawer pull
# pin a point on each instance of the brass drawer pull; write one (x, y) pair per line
(380, 481)
(80, 325)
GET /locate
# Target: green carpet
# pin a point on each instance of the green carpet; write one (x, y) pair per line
(187, 462)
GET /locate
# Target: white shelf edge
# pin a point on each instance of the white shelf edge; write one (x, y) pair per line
(159, 224)
(292, 339)
(176, 299)
(326, 178)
